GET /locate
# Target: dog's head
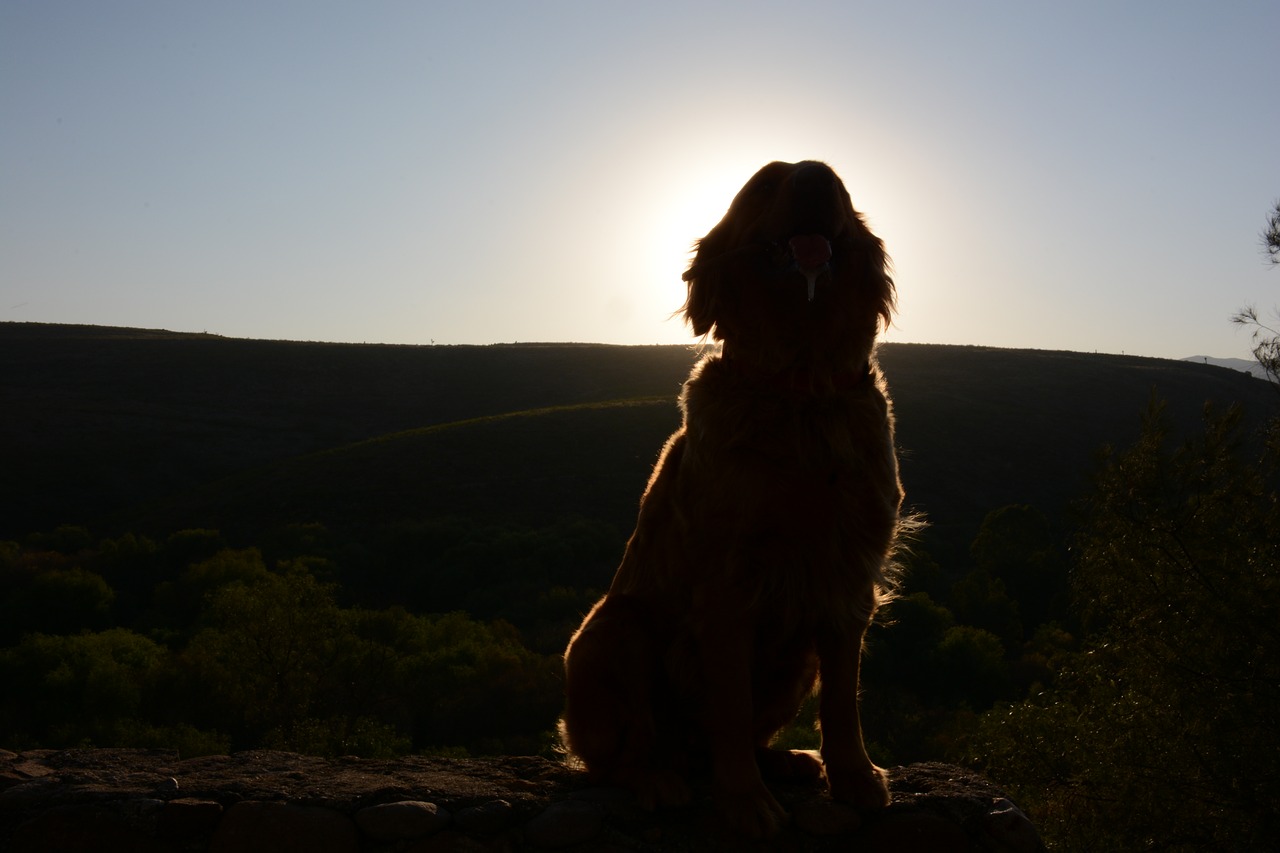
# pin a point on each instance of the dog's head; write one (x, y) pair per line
(790, 271)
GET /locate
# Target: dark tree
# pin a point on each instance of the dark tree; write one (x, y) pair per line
(1271, 235)
(1266, 339)
(1266, 342)
(1164, 731)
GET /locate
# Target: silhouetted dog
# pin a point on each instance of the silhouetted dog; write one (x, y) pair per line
(765, 536)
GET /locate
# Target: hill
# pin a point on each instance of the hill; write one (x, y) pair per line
(108, 419)
(153, 431)
(1242, 364)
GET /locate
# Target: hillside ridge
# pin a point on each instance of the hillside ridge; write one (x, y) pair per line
(112, 420)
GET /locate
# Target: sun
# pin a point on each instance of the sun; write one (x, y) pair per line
(679, 187)
(677, 206)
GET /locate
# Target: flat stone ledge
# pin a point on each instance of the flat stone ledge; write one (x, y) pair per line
(108, 800)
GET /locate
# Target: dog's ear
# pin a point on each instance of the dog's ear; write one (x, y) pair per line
(701, 307)
(869, 256)
(880, 268)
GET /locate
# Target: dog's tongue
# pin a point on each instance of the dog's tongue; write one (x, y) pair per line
(810, 251)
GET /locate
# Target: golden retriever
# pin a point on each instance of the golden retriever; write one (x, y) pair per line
(765, 536)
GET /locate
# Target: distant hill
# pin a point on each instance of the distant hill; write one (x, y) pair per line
(153, 431)
(1244, 365)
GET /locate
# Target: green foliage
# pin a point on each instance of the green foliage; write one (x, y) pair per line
(66, 539)
(322, 643)
(971, 665)
(189, 546)
(177, 604)
(966, 636)
(1048, 650)
(924, 675)
(45, 593)
(541, 579)
(1018, 546)
(980, 599)
(244, 655)
(298, 672)
(802, 732)
(475, 681)
(86, 689)
(1164, 732)
(268, 644)
(9, 552)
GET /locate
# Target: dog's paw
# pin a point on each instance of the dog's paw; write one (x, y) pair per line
(791, 765)
(751, 812)
(654, 788)
(865, 788)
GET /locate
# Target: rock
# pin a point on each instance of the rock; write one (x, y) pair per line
(403, 820)
(152, 800)
(1007, 830)
(81, 829)
(486, 819)
(825, 818)
(30, 769)
(255, 827)
(615, 802)
(915, 831)
(565, 823)
(451, 841)
(187, 818)
(15, 772)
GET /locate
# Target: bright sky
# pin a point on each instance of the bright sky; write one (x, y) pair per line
(1059, 175)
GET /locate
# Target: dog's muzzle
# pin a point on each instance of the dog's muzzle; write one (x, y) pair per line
(811, 254)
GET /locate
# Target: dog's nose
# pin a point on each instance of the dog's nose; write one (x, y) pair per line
(813, 192)
(813, 176)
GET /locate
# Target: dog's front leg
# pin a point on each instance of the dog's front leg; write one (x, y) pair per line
(725, 643)
(850, 774)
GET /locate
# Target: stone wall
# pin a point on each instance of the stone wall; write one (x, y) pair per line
(111, 800)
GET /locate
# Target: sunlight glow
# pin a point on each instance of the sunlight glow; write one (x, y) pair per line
(678, 213)
(683, 192)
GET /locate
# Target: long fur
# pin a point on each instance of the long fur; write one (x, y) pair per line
(765, 536)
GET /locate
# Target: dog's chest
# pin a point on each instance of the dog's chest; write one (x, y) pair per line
(809, 452)
(804, 490)
(812, 484)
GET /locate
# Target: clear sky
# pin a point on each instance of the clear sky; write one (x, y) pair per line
(1063, 175)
